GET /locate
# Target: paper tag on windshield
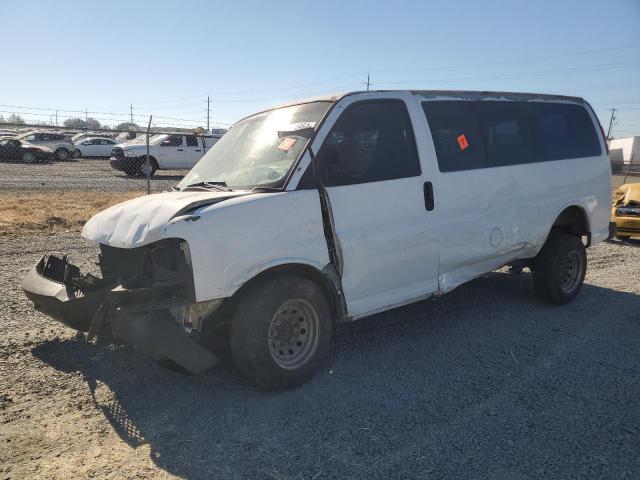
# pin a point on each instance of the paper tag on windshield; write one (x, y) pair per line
(286, 144)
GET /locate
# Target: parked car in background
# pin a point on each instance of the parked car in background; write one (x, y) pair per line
(14, 150)
(626, 211)
(124, 137)
(60, 144)
(179, 152)
(82, 135)
(333, 209)
(8, 133)
(94, 147)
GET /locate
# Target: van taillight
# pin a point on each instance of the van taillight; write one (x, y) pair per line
(604, 137)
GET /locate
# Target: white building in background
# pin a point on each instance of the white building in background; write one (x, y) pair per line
(624, 151)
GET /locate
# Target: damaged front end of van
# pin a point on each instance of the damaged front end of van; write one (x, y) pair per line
(140, 299)
(144, 295)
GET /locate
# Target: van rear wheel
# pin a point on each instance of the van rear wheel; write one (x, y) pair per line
(560, 268)
(281, 331)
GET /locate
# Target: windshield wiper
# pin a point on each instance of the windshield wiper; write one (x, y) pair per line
(222, 186)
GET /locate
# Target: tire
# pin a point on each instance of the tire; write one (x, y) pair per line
(29, 157)
(142, 167)
(560, 268)
(623, 237)
(62, 154)
(268, 344)
(77, 153)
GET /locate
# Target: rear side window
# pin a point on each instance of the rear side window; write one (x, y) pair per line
(192, 141)
(456, 135)
(480, 134)
(370, 142)
(564, 131)
(506, 132)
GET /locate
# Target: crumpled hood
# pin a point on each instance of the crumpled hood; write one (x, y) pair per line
(142, 220)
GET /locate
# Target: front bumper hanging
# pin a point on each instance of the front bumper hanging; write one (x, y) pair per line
(134, 314)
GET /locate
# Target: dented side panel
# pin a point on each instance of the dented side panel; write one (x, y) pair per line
(235, 240)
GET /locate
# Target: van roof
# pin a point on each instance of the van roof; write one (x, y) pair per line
(459, 94)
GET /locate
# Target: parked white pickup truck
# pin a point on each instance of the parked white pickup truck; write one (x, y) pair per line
(333, 209)
(176, 152)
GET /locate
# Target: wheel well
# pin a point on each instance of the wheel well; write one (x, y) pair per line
(223, 314)
(572, 221)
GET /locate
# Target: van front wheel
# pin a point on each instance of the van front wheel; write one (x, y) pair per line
(281, 331)
(559, 269)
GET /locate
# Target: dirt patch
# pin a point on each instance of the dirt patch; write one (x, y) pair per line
(23, 213)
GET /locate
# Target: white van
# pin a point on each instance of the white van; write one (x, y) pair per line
(178, 152)
(336, 208)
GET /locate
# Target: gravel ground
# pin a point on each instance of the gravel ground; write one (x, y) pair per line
(486, 382)
(82, 174)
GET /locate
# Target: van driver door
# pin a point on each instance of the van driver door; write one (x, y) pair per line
(369, 165)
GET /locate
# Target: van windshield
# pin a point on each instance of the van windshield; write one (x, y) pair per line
(259, 150)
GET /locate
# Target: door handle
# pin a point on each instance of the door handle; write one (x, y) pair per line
(429, 202)
(181, 150)
(198, 150)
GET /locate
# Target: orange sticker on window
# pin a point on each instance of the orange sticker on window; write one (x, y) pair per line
(286, 144)
(462, 142)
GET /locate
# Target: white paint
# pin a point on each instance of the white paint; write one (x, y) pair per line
(393, 250)
(142, 220)
(238, 238)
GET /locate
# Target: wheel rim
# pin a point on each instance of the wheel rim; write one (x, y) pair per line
(145, 169)
(570, 272)
(29, 157)
(62, 154)
(294, 333)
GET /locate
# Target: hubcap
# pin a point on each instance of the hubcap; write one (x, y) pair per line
(62, 154)
(570, 272)
(145, 169)
(294, 333)
(29, 157)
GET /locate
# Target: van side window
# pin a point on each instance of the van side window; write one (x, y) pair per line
(192, 141)
(456, 135)
(506, 132)
(564, 131)
(370, 142)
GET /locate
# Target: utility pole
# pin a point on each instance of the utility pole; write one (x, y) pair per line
(368, 82)
(131, 112)
(86, 116)
(611, 120)
(208, 112)
(56, 118)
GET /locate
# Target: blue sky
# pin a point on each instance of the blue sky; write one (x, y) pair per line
(166, 57)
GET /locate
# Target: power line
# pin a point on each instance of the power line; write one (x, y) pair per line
(509, 62)
(579, 69)
(442, 67)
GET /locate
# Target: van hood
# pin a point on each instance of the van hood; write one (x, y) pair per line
(143, 220)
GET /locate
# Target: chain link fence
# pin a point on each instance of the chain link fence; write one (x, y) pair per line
(55, 178)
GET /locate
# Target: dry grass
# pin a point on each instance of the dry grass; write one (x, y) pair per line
(24, 213)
